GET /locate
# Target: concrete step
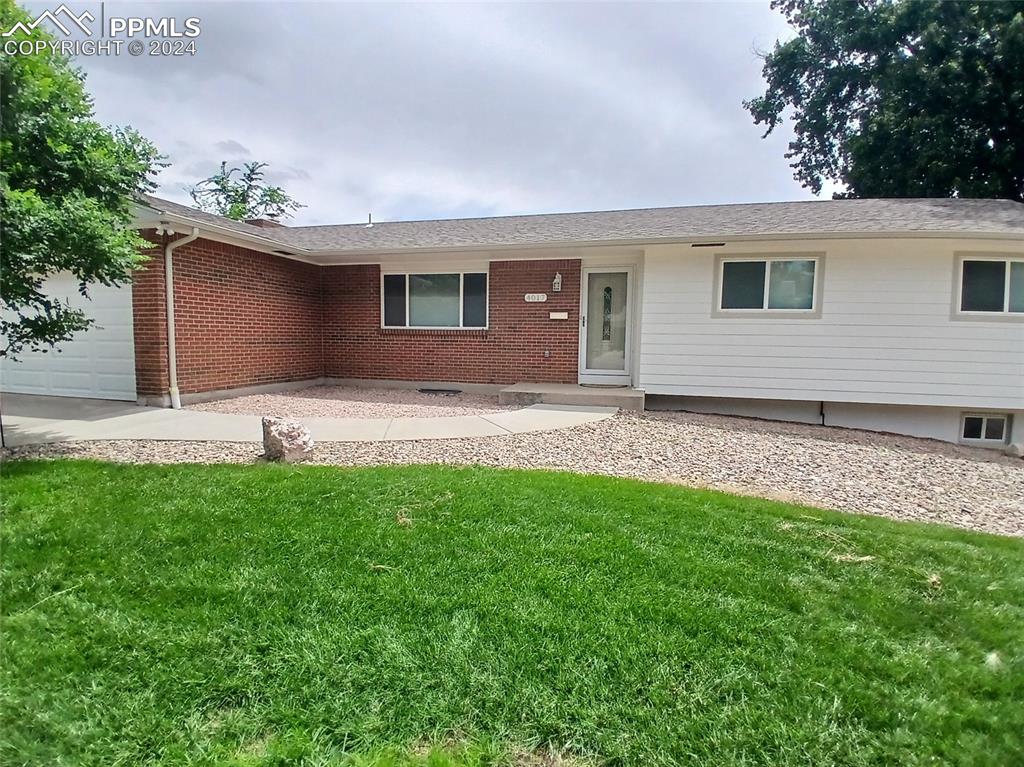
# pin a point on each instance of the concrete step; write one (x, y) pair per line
(526, 394)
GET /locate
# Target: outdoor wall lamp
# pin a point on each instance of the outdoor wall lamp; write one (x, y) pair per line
(556, 284)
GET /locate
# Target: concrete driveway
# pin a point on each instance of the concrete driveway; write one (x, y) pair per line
(30, 419)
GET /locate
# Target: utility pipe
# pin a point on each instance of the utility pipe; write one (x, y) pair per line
(172, 357)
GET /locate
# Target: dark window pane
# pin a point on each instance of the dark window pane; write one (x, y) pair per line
(994, 428)
(984, 286)
(743, 284)
(434, 300)
(972, 427)
(394, 300)
(474, 300)
(1017, 286)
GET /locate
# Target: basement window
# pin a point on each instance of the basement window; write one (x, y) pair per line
(985, 428)
(434, 300)
(991, 285)
(768, 284)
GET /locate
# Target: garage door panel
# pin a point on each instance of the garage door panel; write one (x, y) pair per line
(111, 344)
(23, 378)
(98, 362)
(110, 320)
(112, 336)
(74, 365)
(70, 359)
(107, 383)
(111, 361)
(70, 380)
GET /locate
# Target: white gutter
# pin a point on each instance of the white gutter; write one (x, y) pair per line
(172, 358)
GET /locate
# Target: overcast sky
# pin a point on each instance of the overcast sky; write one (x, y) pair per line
(431, 111)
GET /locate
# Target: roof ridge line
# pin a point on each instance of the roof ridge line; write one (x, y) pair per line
(602, 211)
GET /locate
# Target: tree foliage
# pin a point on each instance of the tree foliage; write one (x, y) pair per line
(245, 197)
(67, 185)
(901, 99)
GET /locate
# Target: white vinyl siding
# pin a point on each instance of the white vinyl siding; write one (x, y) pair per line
(885, 333)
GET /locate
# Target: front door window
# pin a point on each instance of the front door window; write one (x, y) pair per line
(606, 321)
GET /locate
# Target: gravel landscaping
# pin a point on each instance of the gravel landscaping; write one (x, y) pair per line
(887, 475)
(354, 402)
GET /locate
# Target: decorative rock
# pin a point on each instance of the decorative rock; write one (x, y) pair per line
(827, 467)
(285, 440)
(353, 402)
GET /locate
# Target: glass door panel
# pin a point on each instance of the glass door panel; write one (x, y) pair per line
(606, 321)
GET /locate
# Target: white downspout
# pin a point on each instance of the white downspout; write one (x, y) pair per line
(172, 357)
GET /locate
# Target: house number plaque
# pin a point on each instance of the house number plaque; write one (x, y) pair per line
(536, 298)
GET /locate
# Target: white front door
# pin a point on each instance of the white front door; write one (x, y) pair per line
(606, 325)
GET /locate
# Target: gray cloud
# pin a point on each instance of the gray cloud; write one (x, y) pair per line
(231, 148)
(280, 176)
(440, 110)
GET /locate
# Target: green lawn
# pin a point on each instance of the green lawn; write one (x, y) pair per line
(251, 615)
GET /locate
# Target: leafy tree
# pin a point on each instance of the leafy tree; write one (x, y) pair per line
(244, 197)
(901, 99)
(66, 193)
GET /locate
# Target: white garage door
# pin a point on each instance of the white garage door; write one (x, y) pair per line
(98, 362)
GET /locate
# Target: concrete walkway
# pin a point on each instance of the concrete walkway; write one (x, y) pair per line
(29, 419)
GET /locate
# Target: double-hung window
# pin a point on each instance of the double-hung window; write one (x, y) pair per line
(776, 284)
(991, 286)
(434, 300)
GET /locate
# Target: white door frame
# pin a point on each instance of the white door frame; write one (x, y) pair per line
(611, 377)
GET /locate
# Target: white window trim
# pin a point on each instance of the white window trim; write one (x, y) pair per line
(462, 282)
(958, 287)
(1007, 424)
(719, 281)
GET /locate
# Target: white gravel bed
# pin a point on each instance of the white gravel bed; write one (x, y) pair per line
(354, 402)
(890, 476)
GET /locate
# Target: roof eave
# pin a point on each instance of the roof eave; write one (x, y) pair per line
(224, 234)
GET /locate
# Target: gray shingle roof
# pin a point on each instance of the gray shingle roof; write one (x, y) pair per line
(714, 222)
(201, 218)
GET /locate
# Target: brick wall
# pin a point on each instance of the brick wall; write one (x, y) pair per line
(150, 321)
(242, 318)
(245, 318)
(511, 350)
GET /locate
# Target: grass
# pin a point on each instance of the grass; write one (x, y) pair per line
(264, 615)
